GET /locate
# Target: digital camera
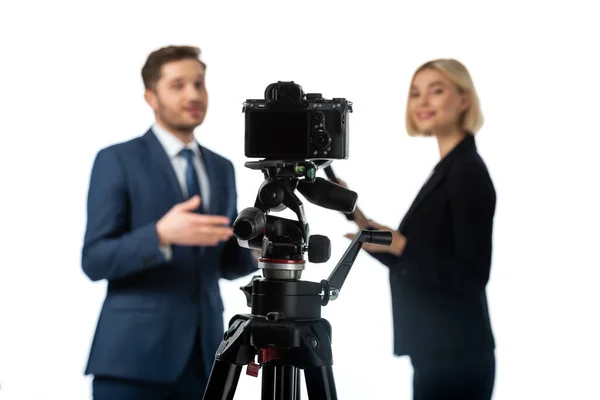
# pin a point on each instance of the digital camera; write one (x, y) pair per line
(289, 125)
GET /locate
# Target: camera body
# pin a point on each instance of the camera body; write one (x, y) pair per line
(289, 125)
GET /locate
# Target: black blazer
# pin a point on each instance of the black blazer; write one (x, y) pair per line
(438, 284)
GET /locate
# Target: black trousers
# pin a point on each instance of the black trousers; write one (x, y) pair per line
(456, 376)
(190, 385)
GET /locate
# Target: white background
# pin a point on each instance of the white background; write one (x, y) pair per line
(70, 84)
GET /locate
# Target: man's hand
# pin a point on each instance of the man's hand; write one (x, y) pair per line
(182, 226)
(396, 248)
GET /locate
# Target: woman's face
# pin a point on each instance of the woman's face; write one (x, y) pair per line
(435, 104)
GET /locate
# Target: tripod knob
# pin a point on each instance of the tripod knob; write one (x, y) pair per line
(273, 316)
(319, 249)
(248, 290)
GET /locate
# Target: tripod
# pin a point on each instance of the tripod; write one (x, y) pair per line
(285, 331)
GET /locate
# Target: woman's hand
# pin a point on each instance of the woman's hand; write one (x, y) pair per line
(398, 241)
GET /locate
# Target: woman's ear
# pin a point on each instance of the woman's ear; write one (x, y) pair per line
(465, 101)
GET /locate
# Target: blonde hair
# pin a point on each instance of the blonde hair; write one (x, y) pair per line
(472, 118)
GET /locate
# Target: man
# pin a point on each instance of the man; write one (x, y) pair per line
(159, 211)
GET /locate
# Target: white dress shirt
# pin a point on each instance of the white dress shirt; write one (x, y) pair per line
(172, 146)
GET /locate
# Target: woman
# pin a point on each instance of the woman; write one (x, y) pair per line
(440, 256)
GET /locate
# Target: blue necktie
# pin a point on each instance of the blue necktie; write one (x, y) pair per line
(191, 176)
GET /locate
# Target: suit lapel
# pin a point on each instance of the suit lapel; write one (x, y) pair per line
(434, 180)
(465, 146)
(211, 171)
(163, 169)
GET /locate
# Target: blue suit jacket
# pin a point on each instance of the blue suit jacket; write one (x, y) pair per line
(148, 322)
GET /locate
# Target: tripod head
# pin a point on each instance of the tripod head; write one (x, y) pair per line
(284, 242)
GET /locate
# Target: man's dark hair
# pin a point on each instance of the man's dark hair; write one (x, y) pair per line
(158, 58)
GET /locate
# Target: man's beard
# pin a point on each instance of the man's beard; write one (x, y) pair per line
(169, 119)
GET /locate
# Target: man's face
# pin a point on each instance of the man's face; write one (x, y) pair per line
(179, 98)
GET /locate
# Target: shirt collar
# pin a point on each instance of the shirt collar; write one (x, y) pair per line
(171, 143)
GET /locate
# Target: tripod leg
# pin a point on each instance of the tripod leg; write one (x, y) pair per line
(223, 381)
(268, 382)
(280, 383)
(290, 383)
(320, 383)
